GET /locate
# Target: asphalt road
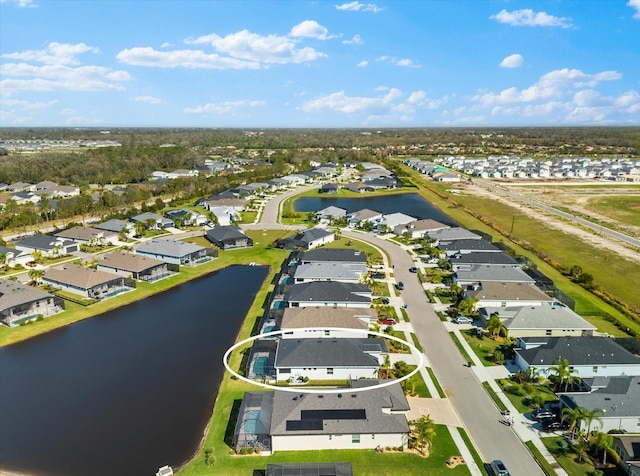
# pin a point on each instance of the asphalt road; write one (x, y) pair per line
(476, 409)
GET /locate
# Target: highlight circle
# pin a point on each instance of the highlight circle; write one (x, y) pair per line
(302, 389)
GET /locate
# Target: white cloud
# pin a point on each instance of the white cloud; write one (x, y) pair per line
(225, 107)
(270, 49)
(28, 105)
(527, 17)
(21, 3)
(166, 44)
(54, 53)
(635, 4)
(147, 56)
(67, 111)
(359, 7)
(356, 40)
(512, 61)
(554, 84)
(405, 63)
(310, 29)
(362, 64)
(147, 99)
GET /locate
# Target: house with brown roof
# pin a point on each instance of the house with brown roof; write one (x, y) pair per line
(507, 294)
(20, 303)
(297, 322)
(86, 235)
(134, 266)
(86, 282)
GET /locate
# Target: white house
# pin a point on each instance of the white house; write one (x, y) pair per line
(501, 294)
(308, 322)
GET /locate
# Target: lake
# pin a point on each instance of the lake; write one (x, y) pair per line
(127, 391)
(410, 204)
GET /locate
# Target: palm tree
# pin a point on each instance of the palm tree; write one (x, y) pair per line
(426, 430)
(495, 326)
(36, 275)
(566, 374)
(575, 416)
(386, 364)
(604, 442)
(592, 415)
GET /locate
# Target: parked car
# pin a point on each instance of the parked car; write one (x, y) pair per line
(542, 414)
(413, 269)
(463, 320)
(551, 424)
(388, 321)
(498, 468)
(400, 285)
(384, 300)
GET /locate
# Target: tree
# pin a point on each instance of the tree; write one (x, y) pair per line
(36, 275)
(592, 415)
(37, 256)
(426, 430)
(604, 442)
(564, 373)
(386, 365)
(467, 306)
(495, 326)
(574, 415)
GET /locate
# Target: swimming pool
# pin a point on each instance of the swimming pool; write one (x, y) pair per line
(278, 305)
(259, 366)
(268, 329)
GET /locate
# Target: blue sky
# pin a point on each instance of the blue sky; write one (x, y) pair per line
(400, 63)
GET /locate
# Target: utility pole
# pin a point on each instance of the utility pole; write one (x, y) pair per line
(513, 222)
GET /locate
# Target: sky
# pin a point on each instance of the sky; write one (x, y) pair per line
(324, 64)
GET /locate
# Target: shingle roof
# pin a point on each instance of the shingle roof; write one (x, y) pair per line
(454, 233)
(334, 255)
(325, 271)
(221, 233)
(621, 398)
(113, 225)
(328, 352)
(580, 351)
(85, 278)
(484, 273)
(346, 317)
(329, 291)
(14, 293)
(427, 224)
(171, 248)
(483, 258)
(5, 250)
(543, 317)
(83, 233)
(500, 291)
(288, 407)
(365, 214)
(129, 262)
(475, 245)
(43, 242)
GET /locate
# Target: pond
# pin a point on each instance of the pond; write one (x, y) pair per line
(125, 392)
(411, 204)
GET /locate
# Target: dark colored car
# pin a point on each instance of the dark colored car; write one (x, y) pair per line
(551, 424)
(388, 321)
(413, 270)
(385, 300)
(400, 285)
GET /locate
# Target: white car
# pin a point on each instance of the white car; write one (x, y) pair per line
(463, 320)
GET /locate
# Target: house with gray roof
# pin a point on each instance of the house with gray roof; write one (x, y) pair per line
(480, 273)
(391, 220)
(419, 228)
(13, 257)
(49, 246)
(342, 468)
(284, 421)
(117, 226)
(20, 303)
(358, 187)
(86, 235)
(228, 237)
(297, 322)
(456, 247)
(141, 268)
(452, 234)
(617, 397)
(328, 214)
(588, 356)
(547, 320)
(347, 256)
(152, 221)
(329, 359)
(468, 260)
(307, 239)
(306, 273)
(505, 294)
(359, 217)
(329, 293)
(628, 448)
(176, 252)
(86, 282)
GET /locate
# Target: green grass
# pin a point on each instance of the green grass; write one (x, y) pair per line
(483, 347)
(416, 385)
(462, 350)
(416, 342)
(494, 396)
(397, 347)
(568, 458)
(435, 382)
(544, 464)
(474, 452)
(518, 400)
(625, 209)
(405, 316)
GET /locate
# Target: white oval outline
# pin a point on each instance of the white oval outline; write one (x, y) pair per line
(302, 389)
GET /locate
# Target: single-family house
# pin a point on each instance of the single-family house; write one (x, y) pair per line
(86, 235)
(628, 448)
(547, 320)
(419, 228)
(346, 256)
(307, 239)
(225, 216)
(459, 247)
(134, 266)
(308, 272)
(313, 322)
(444, 235)
(184, 217)
(228, 237)
(22, 198)
(86, 282)
(342, 468)
(117, 226)
(468, 260)
(176, 252)
(284, 421)
(330, 294)
(359, 217)
(11, 257)
(329, 359)
(329, 188)
(588, 356)
(480, 273)
(358, 187)
(49, 246)
(152, 221)
(238, 204)
(617, 397)
(20, 303)
(501, 294)
(390, 221)
(328, 214)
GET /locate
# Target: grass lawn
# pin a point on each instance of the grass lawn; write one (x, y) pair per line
(482, 346)
(436, 383)
(568, 458)
(518, 400)
(625, 209)
(462, 350)
(416, 386)
(546, 467)
(494, 396)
